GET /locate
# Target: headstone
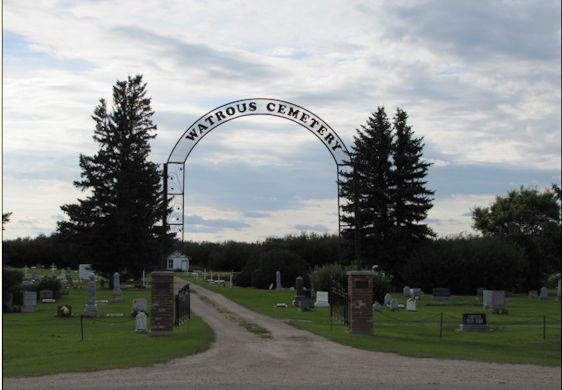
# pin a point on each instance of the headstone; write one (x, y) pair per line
(45, 294)
(278, 285)
(64, 311)
(411, 304)
(387, 299)
(559, 289)
(322, 299)
(533, 294)
(91, 308)
(416, 293)
(473, 321)
(307, 304)
(230, 281)
(544, 293)
(495, 301)
(406, 292)
(141, 322)
(25, 271)
(85, 271)
(441, 294)
(271, 286)
(29, 301)
(143, 279)
(140, 304)
(299, 297)
(377, 306)
(117, 296)
(394, 305)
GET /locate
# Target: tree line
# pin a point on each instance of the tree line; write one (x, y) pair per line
(385, 201)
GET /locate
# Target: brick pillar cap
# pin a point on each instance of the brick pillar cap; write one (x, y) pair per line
(162, 273)
(360, 273)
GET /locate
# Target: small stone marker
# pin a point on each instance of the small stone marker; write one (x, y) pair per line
(140, 322)
(114, 315)
(387, 299)
(533, 294)
(544, 293)
(278, 285)
(406, 292)
(271, 286)
(441, 294)
(494, 300)
(140, 304)
(322, 299)
(377, 306)
(411, 304)
(281, 305)
(394, 305)
(91, 308)
(473, 321)
(117, 296)
(45, 294)
(29, 301)
(416, 293)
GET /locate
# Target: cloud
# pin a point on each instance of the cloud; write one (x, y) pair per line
(196, 223)
(312, 228)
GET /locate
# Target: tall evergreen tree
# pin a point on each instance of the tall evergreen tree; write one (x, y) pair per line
(392, 200)
(113, 227)
(367, 189)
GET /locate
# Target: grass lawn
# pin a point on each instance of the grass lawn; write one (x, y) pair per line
(39, 343)
(513, 338)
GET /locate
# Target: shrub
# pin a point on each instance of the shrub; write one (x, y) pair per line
(464, 264)
(49, 283)
(11, 279)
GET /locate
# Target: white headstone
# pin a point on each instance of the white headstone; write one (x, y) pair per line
(411, 304)
(543, 293)
(387, 299)
(91, 308)
(322, 299)
(230, 280)
(278, 285)
(141, 322)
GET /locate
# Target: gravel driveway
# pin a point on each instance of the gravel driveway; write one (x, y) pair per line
(292, 358)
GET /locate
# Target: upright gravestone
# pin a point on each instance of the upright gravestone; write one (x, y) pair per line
(278, 285)
(91, 308)
(533, 294)
(141, 322)
(406, 292)
(140, 304)
(495, 301)
(544, 293)
(480, 293)
(162, 319)
(387, 299)
(360, 301)
(117, 295)
(322, 299)
(411, 304)
(299, 287)
(416, 293)
(29, 301)
(473, 321)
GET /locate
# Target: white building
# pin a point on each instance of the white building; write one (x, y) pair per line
(178, 261)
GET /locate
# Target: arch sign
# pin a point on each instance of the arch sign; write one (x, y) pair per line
(174, 169)
(247, 107)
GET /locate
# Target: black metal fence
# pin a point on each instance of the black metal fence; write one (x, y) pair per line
(337, 297)
(183, 306)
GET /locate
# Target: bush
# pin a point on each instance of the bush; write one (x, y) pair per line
(464, 264)
(11, 279)
(262, 269)
(49, 283)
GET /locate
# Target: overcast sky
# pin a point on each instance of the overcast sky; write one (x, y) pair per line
(480, 81)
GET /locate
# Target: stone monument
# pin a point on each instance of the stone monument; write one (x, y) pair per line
(117, 296)
(278, 285)
(162, 318)
(360, 300)
(29, 301)
(91, 308)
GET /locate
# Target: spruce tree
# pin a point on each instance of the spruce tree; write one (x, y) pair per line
(370, 157)
(113, 227)
(410, 198)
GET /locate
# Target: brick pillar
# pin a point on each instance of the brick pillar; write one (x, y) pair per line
(360, 301)
(162, 320)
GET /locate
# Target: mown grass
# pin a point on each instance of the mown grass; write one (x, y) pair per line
(39, 343)
(514, 338)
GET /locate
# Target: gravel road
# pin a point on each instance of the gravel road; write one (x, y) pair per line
(294, 359)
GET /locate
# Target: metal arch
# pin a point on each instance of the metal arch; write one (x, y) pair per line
(175, 171)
